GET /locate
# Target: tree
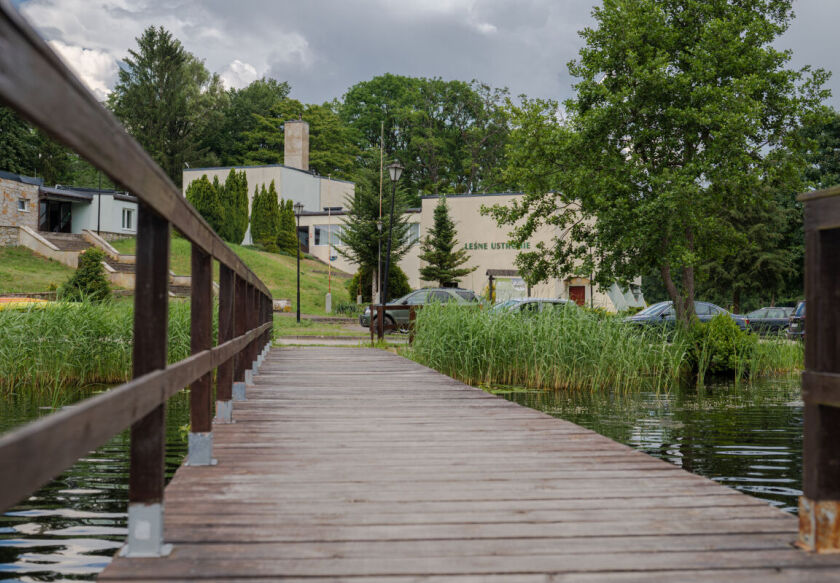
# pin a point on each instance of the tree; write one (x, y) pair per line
(450, 135)
(239, 117)
(167, 100)
(204, 196)
(287, 240)
(17, 147)
(265, 218)
(684, 110)
(360, 237)
(89, 281)
(443, 263)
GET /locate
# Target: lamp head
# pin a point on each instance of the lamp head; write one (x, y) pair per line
(379, 225)
(298, 206)
(395, 170)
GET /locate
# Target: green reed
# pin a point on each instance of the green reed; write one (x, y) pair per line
(67, 344)
(570, 349)
(565, 349)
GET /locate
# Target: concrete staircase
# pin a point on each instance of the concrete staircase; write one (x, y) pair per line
(67, 241)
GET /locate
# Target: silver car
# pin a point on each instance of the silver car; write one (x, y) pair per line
(398, 319)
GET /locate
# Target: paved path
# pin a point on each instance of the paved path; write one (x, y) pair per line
(353, 464)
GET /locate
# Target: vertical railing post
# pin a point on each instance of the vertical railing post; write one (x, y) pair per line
(819, 506)
(200, 452)
(148, 436)
(239, 311)
(224, 374)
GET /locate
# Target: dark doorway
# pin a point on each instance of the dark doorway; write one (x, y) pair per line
(54, 217)
(577, 293)
(303, 238)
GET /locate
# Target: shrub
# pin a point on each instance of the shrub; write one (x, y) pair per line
(351, 309)
(89, 281)
(720, 347)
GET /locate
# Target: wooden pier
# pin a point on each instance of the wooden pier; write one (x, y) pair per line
(352, 464)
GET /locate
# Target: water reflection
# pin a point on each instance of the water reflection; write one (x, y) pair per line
(71, 527)
(748, 437)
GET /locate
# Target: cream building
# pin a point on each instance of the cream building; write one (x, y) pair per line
(485, 243)
(324, 211)
(293, 180)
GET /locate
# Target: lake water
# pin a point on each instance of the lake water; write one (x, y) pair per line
(747, 437)
(70, 528)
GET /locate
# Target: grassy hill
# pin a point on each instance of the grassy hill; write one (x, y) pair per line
(277, 271)
(21, 271)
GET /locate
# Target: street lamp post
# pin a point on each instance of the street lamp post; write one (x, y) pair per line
(298, 209)
(395, 171)
(379, 261)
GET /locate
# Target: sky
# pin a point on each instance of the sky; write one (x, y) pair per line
(322, 47)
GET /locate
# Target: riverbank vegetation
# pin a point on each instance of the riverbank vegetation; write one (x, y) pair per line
(572, 349)
(77, 343)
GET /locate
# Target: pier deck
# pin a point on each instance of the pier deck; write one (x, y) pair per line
(353, 464)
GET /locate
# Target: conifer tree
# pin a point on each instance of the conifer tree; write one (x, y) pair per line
(443, 263)
(204, 196)
(239, 208)
(265, 218)
(287, 240)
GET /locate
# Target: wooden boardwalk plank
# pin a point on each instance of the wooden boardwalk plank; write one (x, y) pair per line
(357, 465)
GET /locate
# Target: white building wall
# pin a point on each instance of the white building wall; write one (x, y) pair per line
(107, 219)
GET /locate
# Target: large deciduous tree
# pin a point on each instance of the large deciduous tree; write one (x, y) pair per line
(438, 250)
(683, 112)
(167, 100)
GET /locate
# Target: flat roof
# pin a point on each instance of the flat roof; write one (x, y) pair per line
(309, 172)
(472, 195)
(20, 178)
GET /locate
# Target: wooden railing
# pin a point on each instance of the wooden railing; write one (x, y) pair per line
(819, 506)
(34, 82)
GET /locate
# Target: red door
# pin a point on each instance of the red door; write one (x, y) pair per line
(577, 293)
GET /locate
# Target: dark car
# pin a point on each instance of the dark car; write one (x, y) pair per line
(532, 305)
(399, 318)
(769, 321)
(663, 314)
(796, 325)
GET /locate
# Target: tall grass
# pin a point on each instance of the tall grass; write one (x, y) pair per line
(566, 349)
(570, 349)
(74, 344)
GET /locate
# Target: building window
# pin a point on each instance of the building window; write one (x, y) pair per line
(323, 231)
(413, 233)
(23, 205)
(128, 219)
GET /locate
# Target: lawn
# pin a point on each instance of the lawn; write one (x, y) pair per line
(288, 326)
(277, 271)
(22, 271)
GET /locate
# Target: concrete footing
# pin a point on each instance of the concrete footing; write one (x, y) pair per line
(224, 412)
(145, 532)
(239, 391)
(200, 451)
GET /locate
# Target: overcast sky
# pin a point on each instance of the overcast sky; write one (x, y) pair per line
(322, 47)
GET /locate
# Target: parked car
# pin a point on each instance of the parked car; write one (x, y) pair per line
(769, 321)
(398, 319)
(663, 314)
(796, 324)
(532, 305)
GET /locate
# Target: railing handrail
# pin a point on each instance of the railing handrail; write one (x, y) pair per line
(47, 438)
(36, 83)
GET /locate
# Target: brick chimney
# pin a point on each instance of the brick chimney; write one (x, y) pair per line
(296, 144)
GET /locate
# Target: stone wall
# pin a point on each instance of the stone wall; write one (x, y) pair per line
(8, 236)
(11, 192)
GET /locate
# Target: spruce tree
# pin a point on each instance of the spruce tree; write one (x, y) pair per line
(89, 282)
(443, 262)
(287, 239)
(227, 194)
(204, 196)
